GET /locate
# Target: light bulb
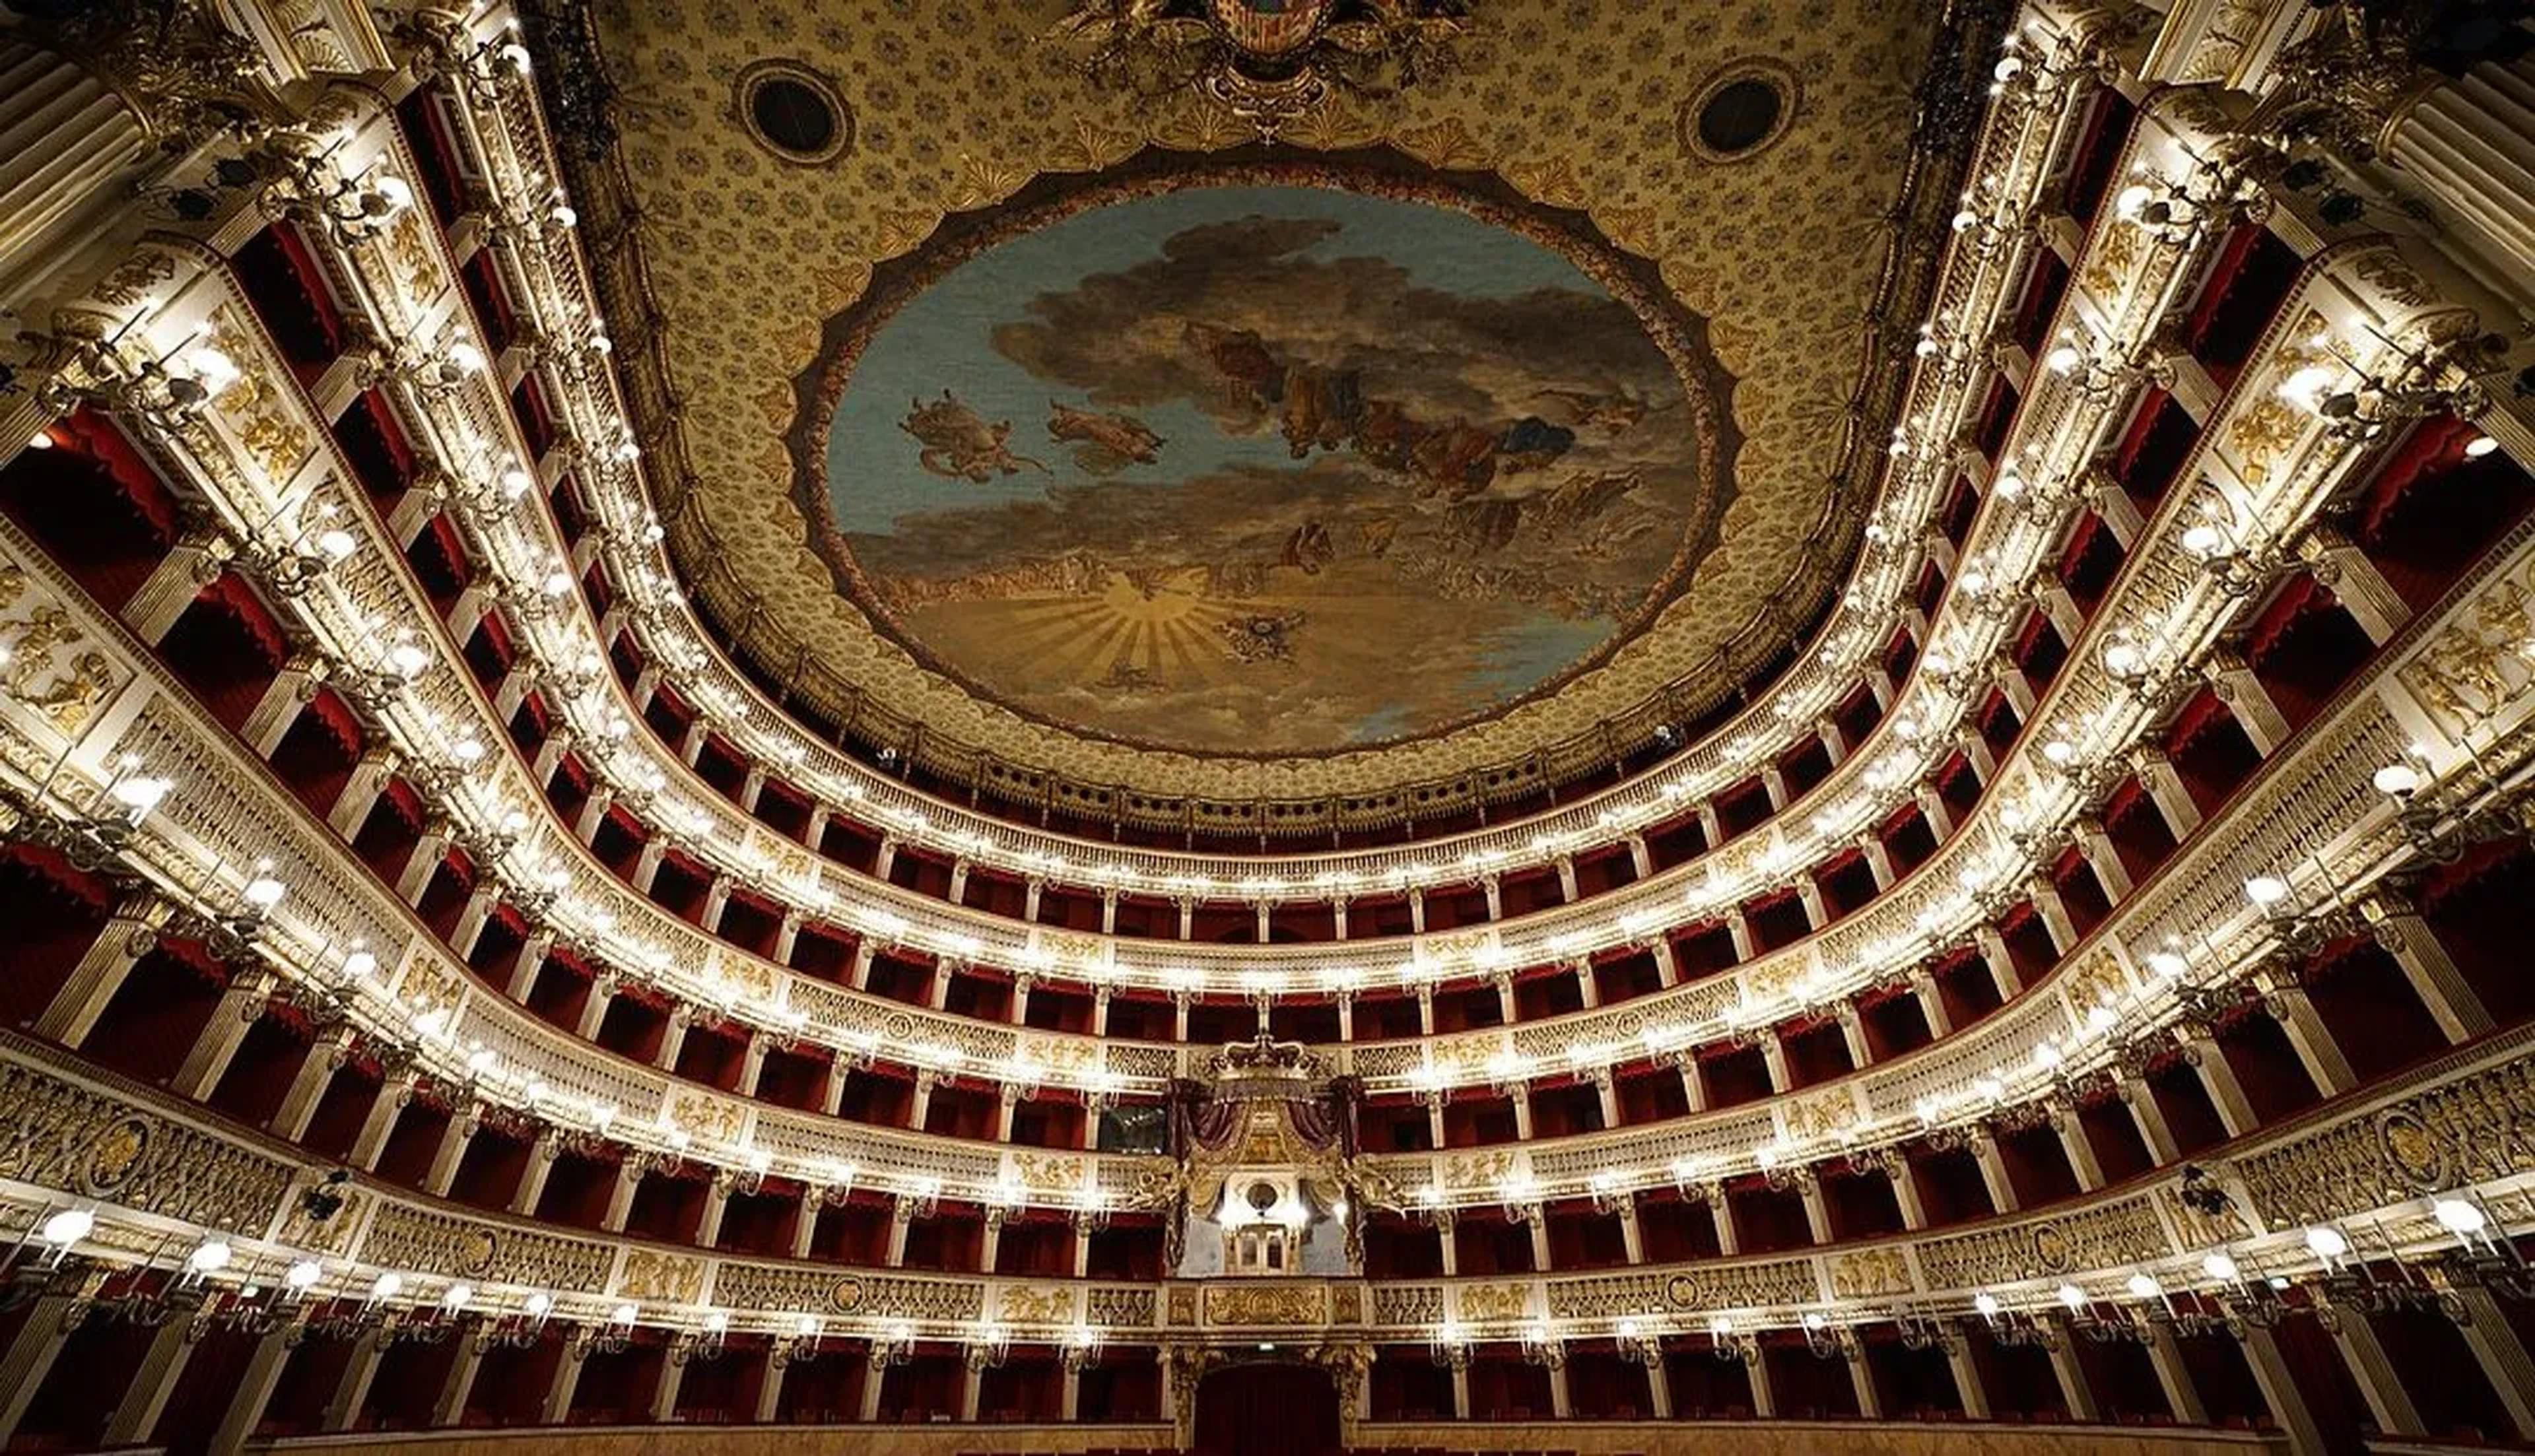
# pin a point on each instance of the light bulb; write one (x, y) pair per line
(2144, 1286)
(2326, 1243)
(2219, 1266)
(458, 1295)
(2266, 889)
(540, 1305)
(2397, 780)
(2168, 964)
(2479, 446)
(387, 1286)
(2458, 1217)
(2072, 1296)
(2305, 387)
(1985, 1305)
(264, 891)
(68, 1227)
(303, 1275)
(623, 1314)
(140, 794)
(210, 1257)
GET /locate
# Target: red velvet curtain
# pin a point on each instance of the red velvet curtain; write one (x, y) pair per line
(1268, 1410)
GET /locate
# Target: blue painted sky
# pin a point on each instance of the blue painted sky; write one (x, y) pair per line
(943, 338)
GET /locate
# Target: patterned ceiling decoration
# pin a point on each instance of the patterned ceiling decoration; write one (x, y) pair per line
(1506, 552)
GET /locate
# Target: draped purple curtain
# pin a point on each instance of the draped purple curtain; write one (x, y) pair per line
(1200, 1120)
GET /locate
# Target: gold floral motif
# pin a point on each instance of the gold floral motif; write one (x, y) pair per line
(845, 1296)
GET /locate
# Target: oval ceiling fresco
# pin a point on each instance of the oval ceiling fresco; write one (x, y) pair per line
(1274, 461)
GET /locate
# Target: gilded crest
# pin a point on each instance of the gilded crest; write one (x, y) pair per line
(113, 1157)
(2412, 1154)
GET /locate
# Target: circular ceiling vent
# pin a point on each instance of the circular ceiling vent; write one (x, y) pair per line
(794, 112)
(1740, 111)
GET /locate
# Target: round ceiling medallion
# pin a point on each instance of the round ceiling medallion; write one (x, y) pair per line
(794, 112)
(1740, 111)
(1272, 460)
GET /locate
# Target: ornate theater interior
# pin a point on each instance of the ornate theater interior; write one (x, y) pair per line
(1832, 750)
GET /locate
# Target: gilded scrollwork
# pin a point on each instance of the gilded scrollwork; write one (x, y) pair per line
(1267, 1305)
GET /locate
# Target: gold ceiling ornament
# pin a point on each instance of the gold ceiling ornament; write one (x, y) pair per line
(1268, 62)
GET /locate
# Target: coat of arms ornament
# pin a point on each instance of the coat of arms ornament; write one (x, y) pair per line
(1268, 61)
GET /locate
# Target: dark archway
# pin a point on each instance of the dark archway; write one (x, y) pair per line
(1267, 1407)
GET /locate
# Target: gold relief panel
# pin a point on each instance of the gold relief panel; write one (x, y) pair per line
(2267, 430)
(707, 1116)
(2098, 980)
(1482, 1303)
(333, 1235)
(1395, 1304)
(773, 1286)
(404, 1237)
(1821, 1117)
(1120, 1307)
(1477, 1169)
(2475, 1129)
(1744, 1286)
(1034, 1304)
(649, 1275)
(1871, 1273)
(1041, 1172)
(1056, 1053)
(1277, 1305)
(54, 667)
(2117, 252)
(890, 1297)
(2480, 660)
(1183, 1305)
(1606, 1298)
(81, 1142)
(1346, 1303)
(2125, 1231)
